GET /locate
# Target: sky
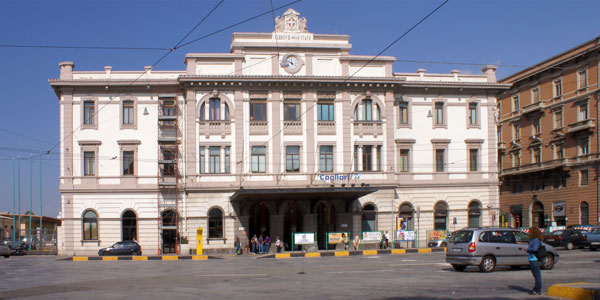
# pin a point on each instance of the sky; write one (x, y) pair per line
(511, 34)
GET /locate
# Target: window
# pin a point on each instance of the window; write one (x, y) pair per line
(201, 157)
(440, 213)
(128, 163)
(516, 131)
(169, 166)
(291, 111)
(89, 163)
(128, 117)
(515, 103)
(258, 111)
(582, 79)
(559, 151)
(499, 132)
(356, 149)
(584, 146)
(583, 112)
(128, 226)
(90, 226)
(214, 159)
(168, 108)
(473, 120)
(403, 113)
(583, 177)
(535, 95)
(326, 158)
(227, 159)
(557, 87)
(259, 159)
(378, 158)
(584, 212)
(215, 224)
(292, 158)
(202, 116)
(406, 213)
(325, 111)
(404, 160)
(367, 158)
(536, 126)
(369, 112)
(473, 160)
(88, 112)
(536, 155)
(558, 119)
(516, 159)
(439, 113)
(225, 111)
(474, 214)
(369, 218)
(439, 160)
(214, 106)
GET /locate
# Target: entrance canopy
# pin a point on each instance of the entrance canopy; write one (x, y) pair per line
(349, 193)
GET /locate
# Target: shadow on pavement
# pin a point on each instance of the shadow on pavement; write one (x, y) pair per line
(518, 288)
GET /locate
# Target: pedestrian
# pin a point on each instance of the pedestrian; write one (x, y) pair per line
(254, 242)
(278, 244)
(345, 241)
(261, 243)
(356, 242)
(382, 240)
(6, 233)
(267, 244)
(236, 244)
(535, 261)
(387, 240)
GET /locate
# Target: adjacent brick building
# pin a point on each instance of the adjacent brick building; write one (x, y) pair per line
(548, 149)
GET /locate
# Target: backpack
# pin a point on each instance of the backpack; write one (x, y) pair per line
(541, 252)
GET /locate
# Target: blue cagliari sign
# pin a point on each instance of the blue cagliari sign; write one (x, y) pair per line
(339, 177)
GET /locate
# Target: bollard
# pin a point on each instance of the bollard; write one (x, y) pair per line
(246, 248)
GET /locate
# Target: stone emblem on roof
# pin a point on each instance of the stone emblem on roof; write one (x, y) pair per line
(290, 22)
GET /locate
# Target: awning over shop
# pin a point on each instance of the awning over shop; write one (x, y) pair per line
(348, 193)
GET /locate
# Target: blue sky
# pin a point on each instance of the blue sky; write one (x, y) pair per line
(510, 33)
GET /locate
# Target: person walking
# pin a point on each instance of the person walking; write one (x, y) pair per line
(254, 242)
(345, 241)
(236, 243)
(267, 244)
(278, 244)
(356, 242)
(261, 243)
(535, 262)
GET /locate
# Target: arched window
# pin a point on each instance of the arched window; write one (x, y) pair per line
(90, 225)
(369, 218)
(440, 216)
(129, 226)
(367, 111)
(214, 106)
(215, 223)
(201, 115)
(406, 213)
(474, 214)
(584, 213)
(226, 111)
(537, 215)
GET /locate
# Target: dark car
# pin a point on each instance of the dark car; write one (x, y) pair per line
(122, 248)
(568, 238)
(5, 250)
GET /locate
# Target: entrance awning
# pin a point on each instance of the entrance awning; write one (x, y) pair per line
(348, 193)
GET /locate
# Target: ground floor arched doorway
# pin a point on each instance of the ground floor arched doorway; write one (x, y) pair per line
(537, 215)
(169, 231)
(259, 221)
(292, 223)
(325, 223)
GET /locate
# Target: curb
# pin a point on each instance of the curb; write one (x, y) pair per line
(140, 258)
(354, 253)
(575, 290)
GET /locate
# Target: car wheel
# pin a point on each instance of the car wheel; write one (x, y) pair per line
(6, 256)
(459, 268)
(138, 253)
(569, 246)
(443, 245)
(548, 262)
(487, 264)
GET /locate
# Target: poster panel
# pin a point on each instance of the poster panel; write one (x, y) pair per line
(434, 235)
(304, 238)
(371, 236)
(336, 238)
(405, 235)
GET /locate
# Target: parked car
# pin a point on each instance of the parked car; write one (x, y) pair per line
(5, 250)
(491, 247)
(122, 248)
(18, 248)
(441, 243)
(593, 238)
(568, 238)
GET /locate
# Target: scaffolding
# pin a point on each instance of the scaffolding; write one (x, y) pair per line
(168, 175)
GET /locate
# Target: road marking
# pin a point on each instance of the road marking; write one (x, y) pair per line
(420, 264)
(170, 258)
(409, 260)
(114, 258)
(199, 257)
(317, 254)
(346, 272)
(283, 255)
(139, 258)
(398, 251)
(342, 253)
(80, 258)
(426, 250)
(369, 252)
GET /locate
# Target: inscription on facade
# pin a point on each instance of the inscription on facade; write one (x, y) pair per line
(294, 37)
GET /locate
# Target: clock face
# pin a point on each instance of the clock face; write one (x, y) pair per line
(292, 62)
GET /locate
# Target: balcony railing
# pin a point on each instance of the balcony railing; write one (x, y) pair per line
(588, 124)
(215, 127)
(292, 127)
(533, 107)
(368, 128)
(535, 167)
(259, 127)
(326, 127)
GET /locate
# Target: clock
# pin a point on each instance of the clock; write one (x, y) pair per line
(292, 63)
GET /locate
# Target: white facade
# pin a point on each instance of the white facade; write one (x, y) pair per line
(228, 104)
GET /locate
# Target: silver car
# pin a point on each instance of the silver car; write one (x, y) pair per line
(5, 250)
(491, 247)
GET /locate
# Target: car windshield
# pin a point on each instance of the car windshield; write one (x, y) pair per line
(597, 230)
(463, 236)
(558, 232)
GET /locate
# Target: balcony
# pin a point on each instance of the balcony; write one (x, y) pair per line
(502, 146)
(374, 128)
(259, 127)
(588, 124)
(535, 167)
(215, 127)
(326, 128)
(533, 107)
(292, 127)
(167, 135)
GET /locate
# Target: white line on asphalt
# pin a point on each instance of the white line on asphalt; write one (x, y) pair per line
(409, 260)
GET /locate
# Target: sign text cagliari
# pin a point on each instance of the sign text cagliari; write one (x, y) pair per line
(293, 37)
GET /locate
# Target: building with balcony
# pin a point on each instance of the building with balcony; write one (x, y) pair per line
(288, 132)
(548, 150)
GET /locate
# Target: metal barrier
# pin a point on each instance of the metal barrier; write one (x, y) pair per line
(34, 241)
(335, 238)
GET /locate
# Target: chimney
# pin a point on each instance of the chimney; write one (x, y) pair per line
(66, 70)
(421, 73)
(108, 69)
(490, 72)
(455, 74)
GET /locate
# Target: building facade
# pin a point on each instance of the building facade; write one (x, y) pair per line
(287, 133)
(548, 150)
